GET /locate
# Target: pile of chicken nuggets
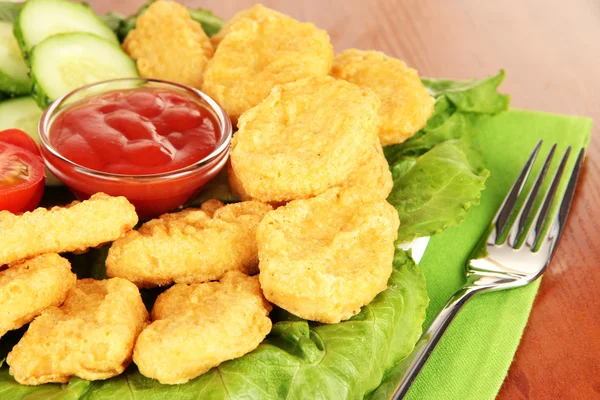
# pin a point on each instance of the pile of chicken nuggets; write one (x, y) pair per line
(313, 234)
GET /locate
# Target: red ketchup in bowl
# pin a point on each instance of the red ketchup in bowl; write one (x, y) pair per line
(155, 145)
(144, 131)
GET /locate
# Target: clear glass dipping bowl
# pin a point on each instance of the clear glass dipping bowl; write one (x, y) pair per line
(151, 194)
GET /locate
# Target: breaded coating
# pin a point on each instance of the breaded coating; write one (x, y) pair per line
(74, 228)
(238, 190)
(197, 327)
(90, 336)
(306, 137)
(29, 287)
(255, 13)
(405, 103)
(324, 258)
(373, 176)
(168, 44)
(262, 48)
(211, 206)
(189, 246)
(235, 184)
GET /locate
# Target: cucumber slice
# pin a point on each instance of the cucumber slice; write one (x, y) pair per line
(23, 113)
(13, 70)
(40, 19)
(67, 61)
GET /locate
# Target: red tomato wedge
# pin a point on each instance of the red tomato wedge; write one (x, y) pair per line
(22, 172)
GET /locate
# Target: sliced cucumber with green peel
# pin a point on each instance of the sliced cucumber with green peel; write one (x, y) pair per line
(13, 70)
(40, 19)
(23, 113)
(67, 61)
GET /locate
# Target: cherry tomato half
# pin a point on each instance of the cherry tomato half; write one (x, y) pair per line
(22, 172)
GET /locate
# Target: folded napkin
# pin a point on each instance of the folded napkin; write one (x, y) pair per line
(473, 357)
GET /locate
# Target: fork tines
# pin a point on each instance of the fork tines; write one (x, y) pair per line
(520, 227)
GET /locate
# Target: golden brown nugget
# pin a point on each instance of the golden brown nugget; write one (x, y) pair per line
(405, 103)
(168, 44)
(211, 206)
(238, 190)
(73, 228)
(372, 177)
(324, 258)
(29, 287)
(189, 246)
(236, 185)
(255, 13)
(197, 327)
(262, 48)
(306, 137)
(90, 336)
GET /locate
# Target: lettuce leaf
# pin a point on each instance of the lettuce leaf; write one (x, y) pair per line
(437, 189)
(438, 173)
(298, 360)
(471, 95)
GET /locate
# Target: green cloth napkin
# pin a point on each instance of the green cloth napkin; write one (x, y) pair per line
(473, 357)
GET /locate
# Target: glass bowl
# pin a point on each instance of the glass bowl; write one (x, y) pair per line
(151, 194)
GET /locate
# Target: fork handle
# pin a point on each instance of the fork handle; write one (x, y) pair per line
(412, 365)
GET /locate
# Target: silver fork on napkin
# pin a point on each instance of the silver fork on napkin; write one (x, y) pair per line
(500, 261)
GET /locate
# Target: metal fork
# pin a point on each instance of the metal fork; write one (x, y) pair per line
(500, 261)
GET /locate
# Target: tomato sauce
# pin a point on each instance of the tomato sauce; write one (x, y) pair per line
(156, 145)
(135, 132)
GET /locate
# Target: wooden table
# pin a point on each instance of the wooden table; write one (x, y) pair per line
(551, 52)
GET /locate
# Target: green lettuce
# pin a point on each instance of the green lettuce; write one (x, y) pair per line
(437, 189)
(438, 173)
(298, 360)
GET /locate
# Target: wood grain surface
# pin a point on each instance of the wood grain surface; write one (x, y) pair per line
(551, 52)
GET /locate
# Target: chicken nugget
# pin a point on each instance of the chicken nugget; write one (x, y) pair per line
(306, 137)
(259, 49)
(373, 176)
(90, 336)
(256, 13)
(405, 103)
(189, 246)
(211, 206)
(324, 258)
(29, 287)
(168, 44)
(236, 186)
(74, 228)
(198, 326)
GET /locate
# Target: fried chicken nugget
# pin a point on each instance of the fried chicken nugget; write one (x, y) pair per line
(198, 326)
(306, 137)
(372, 177)
(168, 44)
(29, 287)
(261, 48)
(324, 258)
(236, 186)
(405, 103)
(189, 246)
(90, 336)
(73, 228)
(254, 13)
